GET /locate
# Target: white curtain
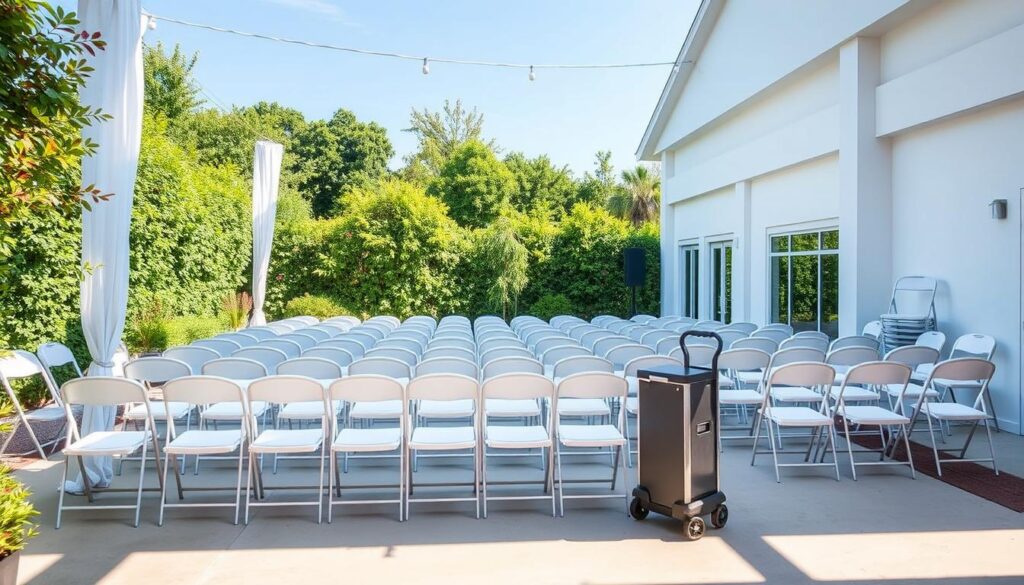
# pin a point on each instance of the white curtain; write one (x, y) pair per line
(265, 174)
(115, 87)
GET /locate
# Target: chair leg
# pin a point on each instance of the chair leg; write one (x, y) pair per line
(476, 478)
(906, 445)
(142, 476)
(775, 456)
(935, 448)
(320, 485)
(333, 483)
(849, 447)
(832, 442)
(402, 464)
(757, 437)
(560, 479)
(163, 490)
(991, 447)
(238, 483)
(549, 479)
(483, 479)
(248, 484)
(60, 494)
(625, 478)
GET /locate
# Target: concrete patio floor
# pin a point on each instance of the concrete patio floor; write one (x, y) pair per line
(808, 529)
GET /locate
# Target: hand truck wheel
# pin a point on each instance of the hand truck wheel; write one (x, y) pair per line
(695, 528)
(719, 516)
(637, 509)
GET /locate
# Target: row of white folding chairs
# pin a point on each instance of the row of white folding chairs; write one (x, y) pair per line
(477, 436)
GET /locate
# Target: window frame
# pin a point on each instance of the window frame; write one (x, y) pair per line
(820, 229)
(689, 280)
(725, 264)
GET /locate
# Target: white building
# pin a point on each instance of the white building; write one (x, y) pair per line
(892, 122)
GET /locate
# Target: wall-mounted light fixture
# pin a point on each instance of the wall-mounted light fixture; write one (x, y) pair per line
(998, 207)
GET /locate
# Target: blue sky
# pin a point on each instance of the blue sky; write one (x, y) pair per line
(567, 114)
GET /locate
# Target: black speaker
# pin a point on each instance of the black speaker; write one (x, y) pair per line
(636, 266)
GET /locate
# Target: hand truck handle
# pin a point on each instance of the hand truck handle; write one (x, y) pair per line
(697, 333)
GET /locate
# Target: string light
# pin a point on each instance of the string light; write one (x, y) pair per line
(426, 67)
(151, 22)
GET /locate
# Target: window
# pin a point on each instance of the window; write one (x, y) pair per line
(689, 277)
(804, 273)
(721, 281)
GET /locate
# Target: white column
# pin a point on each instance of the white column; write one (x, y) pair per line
(669, 262)
(865, 190)
(741, 259)
(266, 173)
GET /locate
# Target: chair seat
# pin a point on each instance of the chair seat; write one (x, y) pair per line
(953, 411)
(740, 397)
(583, 407)
(797, 416)
(232, 410)
(159, 410)
(446, 408)
(205, 442)
(306, 410)
(872, 415)
(287, 441)
(46, 413)
(913, 391)
(109, 443)
(589, 435)
(442, 438)
(515, 437)
(725, 381)
(856, 394)
(509, 408)
(368, 440)
(749, 377)
(795, 394)
(386, 409)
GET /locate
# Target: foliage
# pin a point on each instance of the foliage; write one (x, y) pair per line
(16, 509)
(315, 306)
(507, 261)
(156, 332)
(440, 134)
(169, 87)
(185, 330)
(639, 199)
(596, 188)
(549, 306)
(148, 329)
(540, 184)
(474, 184)
(41, 71)
(337, 155)
(236, 308)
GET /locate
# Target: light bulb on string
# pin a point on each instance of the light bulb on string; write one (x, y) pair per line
(533, 75)
(151, 23)
(426, 66)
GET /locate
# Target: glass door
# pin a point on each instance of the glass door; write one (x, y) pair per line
(721, 281)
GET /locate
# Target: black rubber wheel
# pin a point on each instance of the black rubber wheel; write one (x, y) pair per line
(695, 528)
(719, 516)
(637, 510)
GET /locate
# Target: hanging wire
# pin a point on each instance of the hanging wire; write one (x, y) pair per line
(412, 57)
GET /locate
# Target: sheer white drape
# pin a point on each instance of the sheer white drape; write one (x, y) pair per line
(265, 174)
(115, 87)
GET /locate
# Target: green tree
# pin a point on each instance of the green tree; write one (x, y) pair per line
(339, 154)
(639, 199)
(474, 184)
(507, 260)
(41, 71)
(440, 134)
(596, 188)
(540, 183)
(170, 88)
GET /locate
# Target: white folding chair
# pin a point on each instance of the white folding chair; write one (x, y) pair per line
(335, 355)
(396, 353)
(452, 341)
(453, 352)
(260, 333)
(600, 386)
(195, 357)
(242, 339)
(282, 390)
(196, 391)
(776, 335)
(106, 391)
(242, 371)
(348, 440)
(744, 326)
(801, 375)
(855, 341)
(970, 345)
(223, 347)
(623, 354)
(436, 439)
(22, 364)
(270, 357)
(288, 348)
(764, 344)
(411, 345)
(506, 365)
(363, 338)
(602, 346)
(806, 341)
(746, 368)
(369, 412)
(55, 355)
(152, 372)
(552, 342)
(353, 347)
(913, 356)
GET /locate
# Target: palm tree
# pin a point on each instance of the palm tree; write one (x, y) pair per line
(638, 199)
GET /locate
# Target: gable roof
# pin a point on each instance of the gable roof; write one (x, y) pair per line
(700, 30)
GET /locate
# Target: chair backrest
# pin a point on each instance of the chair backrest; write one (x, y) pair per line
(53, 355)
(814, 334)
(781, 327)
(23, 364)
(381, 366)
(443, 387)
(452, 341)
(507, 365)
(776, 335)
(333, 329)
(577, 331)
(600, 320)
(538, 334)
(282, 389)
(194, 356)
(375, 331)
(270, 357)
(104, 391)
(353, 347)
(589, 338)
(806, 374)
(452, 352)
(411, 333)
(764, 344)
(744, 326)
(368, 388)
(452, 331)
(575, 365)
(744, 359)
(872, 329)
(314, 332)
(335, 355)
(653, 337)
(301, 338)
(875, 373)
(648, 361)
(851, 356)
(349, 319)
(447, 365)
(495, 343)
(545, 344)
(936, 339)
(592, 385)
(223, 347)
(622, 354)
(556, 354)
(362, 337)
(974, 345)
(970, 369)
(203, 390)
(260, 333)
(517, 386)
(605, 344)
(797, 354)
(235, 368)
(913, 355)
(730, 336)
(242, 339)
(288, 347)
(855, 341)
(505, 352)
(410, 345)
(642, 318)
(156, 370)
(700, 355)
(811, 342)
(397, 353)
(665, 346)
(310, 367)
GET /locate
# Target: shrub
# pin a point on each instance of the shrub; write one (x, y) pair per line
(549, 306)
(185, 330)
(147, 331)
(16, 511)
(314, 306)
(236, 309)
(474, 184)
